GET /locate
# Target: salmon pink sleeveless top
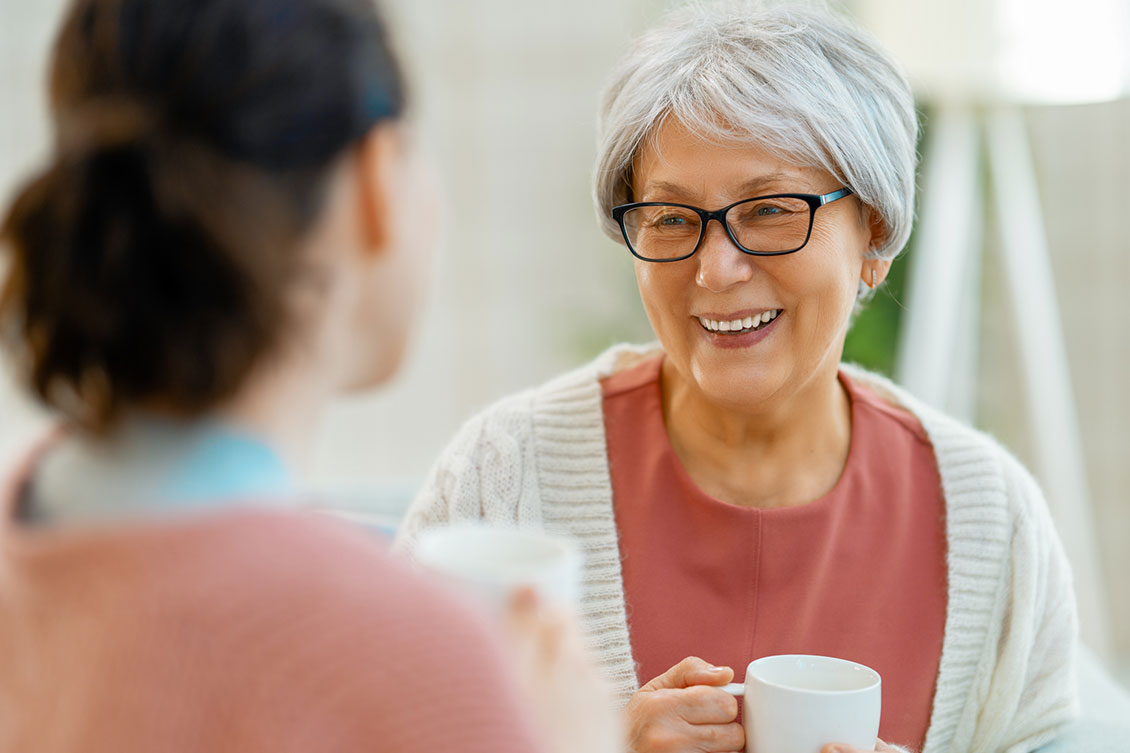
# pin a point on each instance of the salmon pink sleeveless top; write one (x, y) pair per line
(859, 573)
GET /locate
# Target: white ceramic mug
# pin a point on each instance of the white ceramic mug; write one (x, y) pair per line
(493, 562)
(799, 704)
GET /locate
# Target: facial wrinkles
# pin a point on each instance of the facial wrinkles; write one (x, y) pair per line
(810, 286)
(832, 311)
(710, 193)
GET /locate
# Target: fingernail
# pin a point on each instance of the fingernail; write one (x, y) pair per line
(525, 598)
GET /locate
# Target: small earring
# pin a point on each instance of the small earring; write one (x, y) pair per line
(873, 283)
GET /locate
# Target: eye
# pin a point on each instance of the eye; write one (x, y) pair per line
(775, 208)
(781, 209)
(669, 219)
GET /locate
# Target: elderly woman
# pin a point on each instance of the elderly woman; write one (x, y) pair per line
(738, 490)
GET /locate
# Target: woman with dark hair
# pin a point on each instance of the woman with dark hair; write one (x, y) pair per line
(231, 229)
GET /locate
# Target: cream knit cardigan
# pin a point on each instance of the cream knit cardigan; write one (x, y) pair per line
(1006, 680)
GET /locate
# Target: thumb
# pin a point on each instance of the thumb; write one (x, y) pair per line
(688, 672)
(522, 611)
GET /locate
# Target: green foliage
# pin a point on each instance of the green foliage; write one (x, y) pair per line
(873, 338)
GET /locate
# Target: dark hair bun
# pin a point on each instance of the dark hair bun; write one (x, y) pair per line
(152, 259)
(130, 293)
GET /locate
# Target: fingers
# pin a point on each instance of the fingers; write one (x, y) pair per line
(718, 738)
(880, 747)
(684, 709)
(710, 675)
(522, 609)
(568, 699)
(702, 738)
(537, 633)
(691, 671)
(697, 705)
(706, 705)
(699, 718)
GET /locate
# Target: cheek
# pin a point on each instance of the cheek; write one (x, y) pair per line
(385, 314)
(662, 289)
(419, 217)
(382, 327)
(830, 273)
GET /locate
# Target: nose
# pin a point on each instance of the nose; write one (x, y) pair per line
(721, 264)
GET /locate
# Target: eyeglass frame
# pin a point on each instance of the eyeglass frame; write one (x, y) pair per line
(814, 201)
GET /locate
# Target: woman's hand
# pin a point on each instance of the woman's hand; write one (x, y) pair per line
(684, 710)
(570, 701)
(881, 747)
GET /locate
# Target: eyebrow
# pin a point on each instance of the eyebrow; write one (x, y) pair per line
(749, 188)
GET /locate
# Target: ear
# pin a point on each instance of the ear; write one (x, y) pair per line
(376, 159)
(876, 228)
(874, 272)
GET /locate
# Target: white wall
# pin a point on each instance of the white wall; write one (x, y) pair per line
(26, 29)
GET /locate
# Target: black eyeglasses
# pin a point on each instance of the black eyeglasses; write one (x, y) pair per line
(762, 226)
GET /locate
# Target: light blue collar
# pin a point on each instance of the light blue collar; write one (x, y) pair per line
(154, 466)
(223, 463)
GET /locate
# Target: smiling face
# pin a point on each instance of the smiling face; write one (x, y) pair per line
(793, 310)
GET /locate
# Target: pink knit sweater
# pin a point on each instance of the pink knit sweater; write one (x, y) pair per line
(238, 631)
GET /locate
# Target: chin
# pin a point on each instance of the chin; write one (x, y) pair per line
(374, 370)
(738, 385)
(364, 384)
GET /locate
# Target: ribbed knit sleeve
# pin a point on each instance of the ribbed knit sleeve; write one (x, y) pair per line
(539, 460)
(486, 472)
(1006, 680)
(576, 501)
(1032, 692)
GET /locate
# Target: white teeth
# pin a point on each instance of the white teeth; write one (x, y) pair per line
(737, 325)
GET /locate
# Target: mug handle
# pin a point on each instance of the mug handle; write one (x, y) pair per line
(736, 689)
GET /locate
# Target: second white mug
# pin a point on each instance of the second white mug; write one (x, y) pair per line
(798, 704)
(491, 562)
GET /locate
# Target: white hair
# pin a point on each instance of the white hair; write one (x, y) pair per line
(797, 79)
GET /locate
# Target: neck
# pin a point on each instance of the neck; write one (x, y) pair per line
(154, 465)
(281, 404)
(787, 452)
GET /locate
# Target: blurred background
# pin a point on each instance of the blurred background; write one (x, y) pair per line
(525, 286)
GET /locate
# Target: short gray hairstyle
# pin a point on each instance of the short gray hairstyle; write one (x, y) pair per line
(797, 79)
